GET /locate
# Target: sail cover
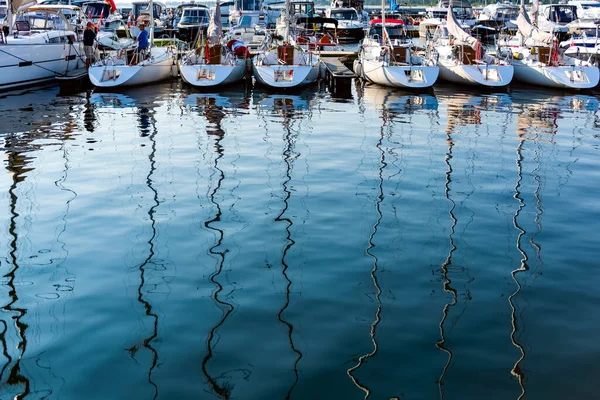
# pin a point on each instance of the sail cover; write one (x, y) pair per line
(530, 31)
(215, 25)
(20, 4)
(455, 30)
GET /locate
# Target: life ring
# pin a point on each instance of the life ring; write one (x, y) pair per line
(383, 52)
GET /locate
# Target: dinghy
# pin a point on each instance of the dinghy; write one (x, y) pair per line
(537, 60)
(215, 64)
(151, 65)
(463, 60)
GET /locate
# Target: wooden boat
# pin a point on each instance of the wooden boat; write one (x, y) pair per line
(388, 57)
(538, 61)
(153, 65)
(40, 45)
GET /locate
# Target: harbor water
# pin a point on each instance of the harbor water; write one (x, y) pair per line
(162, 243)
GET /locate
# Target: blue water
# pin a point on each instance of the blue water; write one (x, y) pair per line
(164, 243)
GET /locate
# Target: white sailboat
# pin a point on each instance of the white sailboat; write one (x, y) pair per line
(286, 65)
(39, 46)
(538, 61)
(154, 64)
(387, 57)
(463, 60)
(214, 64)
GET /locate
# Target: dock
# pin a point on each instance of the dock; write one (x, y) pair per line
(338, 76)
(74, 81)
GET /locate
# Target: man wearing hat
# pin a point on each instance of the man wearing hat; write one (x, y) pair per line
(142, 39)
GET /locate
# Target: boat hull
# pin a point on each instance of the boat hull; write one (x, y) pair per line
(30, 64)
(285, 76)
(149, 71)
(565, 77)
(210, 75)
(486, 75)
(404, 76)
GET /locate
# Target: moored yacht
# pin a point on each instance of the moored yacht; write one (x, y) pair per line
(388, 57)
(40, 45)
(146, 66)
(462, 58)
(286, 66)
(539, 62)
(215, 63)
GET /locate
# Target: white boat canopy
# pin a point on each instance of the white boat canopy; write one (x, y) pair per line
(455, 30)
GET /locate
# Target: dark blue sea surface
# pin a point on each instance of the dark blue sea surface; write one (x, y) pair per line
(162, 243)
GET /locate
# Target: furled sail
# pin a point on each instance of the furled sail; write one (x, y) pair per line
(215, 25)
(17, 5)
(529, 31)
(455, 30)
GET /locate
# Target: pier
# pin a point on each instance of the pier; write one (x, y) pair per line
(73, 81)
(338, 76)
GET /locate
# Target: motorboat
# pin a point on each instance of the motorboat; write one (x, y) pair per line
(251, 29)
(40, 45)
(352, 20)
(587, 9)
(151, 65)
(387, 56)
(192, 22)
(215, 63)
(585, 45)
(554, 18)
(286, 66)
(102, 13)
(499, 16)
(538, 61)
(462, 58)
(436, 16)
(310, 34)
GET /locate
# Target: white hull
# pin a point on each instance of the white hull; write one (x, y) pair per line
(268, 69)
(209, 75)
(114, 72)
(565, 77)
(473, 73)
(476, 74)
(405, 76)
(30, 64)
(285, 76)
(571, 73)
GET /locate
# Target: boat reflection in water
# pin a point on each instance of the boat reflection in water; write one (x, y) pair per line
(26, 368)
(395, 102)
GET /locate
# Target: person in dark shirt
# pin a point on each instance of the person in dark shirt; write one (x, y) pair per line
(88, 43)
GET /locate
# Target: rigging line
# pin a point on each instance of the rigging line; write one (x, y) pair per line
(516, 371)
(441, 344)
(14, 377)
(34, 63)
(222, 391)
(288, 158)
(373, 330)
(147, 342)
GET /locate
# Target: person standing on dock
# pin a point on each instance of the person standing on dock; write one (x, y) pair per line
(88, 43)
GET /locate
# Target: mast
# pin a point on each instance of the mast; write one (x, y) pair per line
(287, 20)
(151, 33)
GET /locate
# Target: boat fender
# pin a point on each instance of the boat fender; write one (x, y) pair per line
(518, 56)
(532, 51)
